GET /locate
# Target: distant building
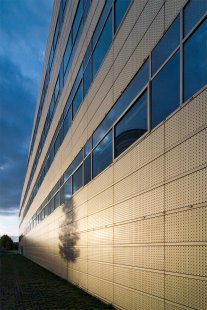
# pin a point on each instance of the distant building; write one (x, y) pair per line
(115, 192)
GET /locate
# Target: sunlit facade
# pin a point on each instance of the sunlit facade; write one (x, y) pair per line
(114, 198)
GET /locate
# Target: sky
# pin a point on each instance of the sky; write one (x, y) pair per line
(24, 26)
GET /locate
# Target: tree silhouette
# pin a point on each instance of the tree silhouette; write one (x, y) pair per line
(6, 242)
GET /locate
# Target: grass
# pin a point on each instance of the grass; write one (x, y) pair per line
(26, 286)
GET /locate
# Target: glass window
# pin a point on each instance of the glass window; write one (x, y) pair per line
(101, 21)
(87, 170)
(135, 86)
(87, 78)
(57, 144)
(77, 179)
(67, 190)
(87, 4)
(87, 147)
(132, 126)
(57, 88)
(102, 45)
(119, 11)
(77, 19)
(67, 122)
(195, 61)
(77, 99)
(165, 94)
(56, 34)
(67, 53)
(166, 45)
(57, 200)
(87, 55)
(193, 11)
(102, 154)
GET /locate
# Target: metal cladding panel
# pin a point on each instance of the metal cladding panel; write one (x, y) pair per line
(190, 292)
(142, 280)
(142, 231)
(187, 121)
(186, 191)
(142, 153)
(100, 236)
(180, 160)
(144, 179)
(100, 270)
(101, 201)
(187, 259)
(187, 226)
(101, 219)
(100, 183)
(172, 8)
(145, 204)
(123, 297)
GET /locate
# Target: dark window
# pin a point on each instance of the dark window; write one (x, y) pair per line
(56, 34)
(87, 4)
(132, 126)
(193, 11)
(102, 154)
(102, 45)
(77, 19)
(52, 204)
(67, 190)
(57, 200)
(120, 9)
(166, 90)
(57, 144)
(77, 179)
(67, 121)
(87, 147)
(77, 99)
(52, 104)
(87, 79)
(134, 87)
(57, 88)
(87, 169)
(101, 21)
(195, 61)
(166, 45)
(87, 55)
(67, 53)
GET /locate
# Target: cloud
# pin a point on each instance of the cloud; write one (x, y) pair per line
(23, 31)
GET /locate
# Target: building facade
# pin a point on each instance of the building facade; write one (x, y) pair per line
(115, 192)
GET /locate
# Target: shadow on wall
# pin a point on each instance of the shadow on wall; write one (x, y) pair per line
(68, 235)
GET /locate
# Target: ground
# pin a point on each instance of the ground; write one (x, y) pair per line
(26, 286)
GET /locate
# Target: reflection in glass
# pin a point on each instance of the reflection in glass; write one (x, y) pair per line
(193, 11)
(166, 45)
(195, 61)
(132, 126)
(102, 45)
(87, 147)
(67, 53)
(57, 200)
(102, 154)
(77, 179)
(165, 94)
(77, 99)
(87, 169)
(87, 78)
(67, 190)
(135, 86)
(77, 19)
(120, 8)
(67, 121)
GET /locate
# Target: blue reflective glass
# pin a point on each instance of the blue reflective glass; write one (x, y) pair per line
(77, 160)
(102, 154)
(77, 179)
(77, 19)
(67, 53)
(166, 45)
(132, 126)
(165, 91)
(87, 55)
(87, 170)
(77, 99)
(102, 45)
(87, 78)
(57, 88)
(57, 200)
(87, 4)
(119, 10)
(135, 86)
(195, 61)
(87, 147)
(101, 21)
(67, 190)
(193, 11)
(67, 122)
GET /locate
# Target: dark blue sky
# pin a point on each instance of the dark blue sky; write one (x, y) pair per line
(24, 28)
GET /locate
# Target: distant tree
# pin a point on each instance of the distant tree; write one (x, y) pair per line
(6, 242)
